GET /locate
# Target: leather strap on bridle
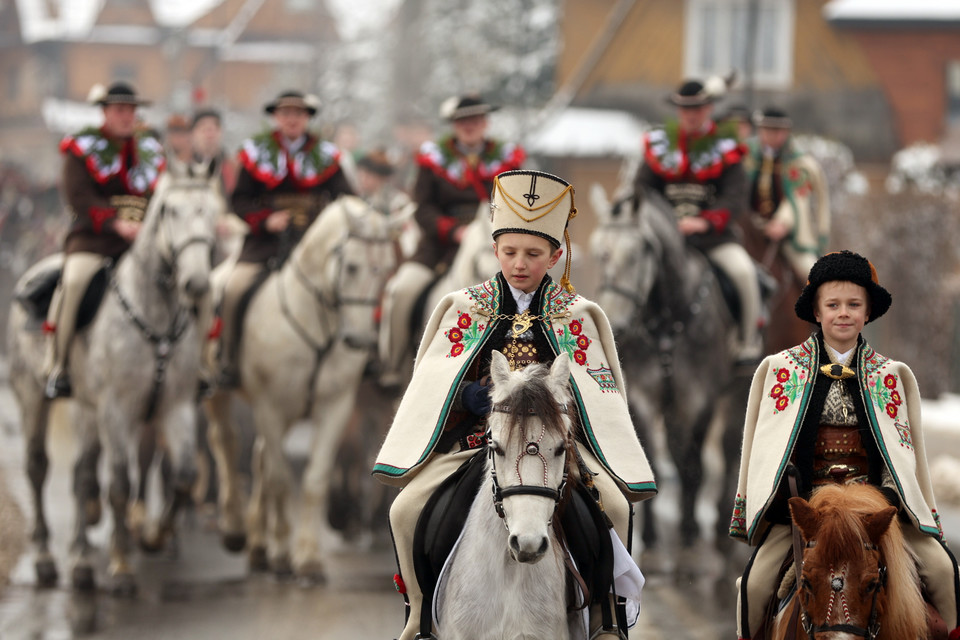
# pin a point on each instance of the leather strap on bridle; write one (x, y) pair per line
(792, 474)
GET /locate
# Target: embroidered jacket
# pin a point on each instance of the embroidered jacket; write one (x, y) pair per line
(780, 398)
(271, 179)
(450, 188)
(102, 177)
(799, 197)
(457, 334)
(700, 175)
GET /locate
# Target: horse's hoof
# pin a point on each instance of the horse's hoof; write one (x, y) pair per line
(93, 510)
(282, 567)
(82, 578)
(234, 542)
(311, 574)
(47, 575)
(257, 559)
(123, 586)
(151, 542)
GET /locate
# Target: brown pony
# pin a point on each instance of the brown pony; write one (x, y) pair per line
(858, 577)
(784, 329)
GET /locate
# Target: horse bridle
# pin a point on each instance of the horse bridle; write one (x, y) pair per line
(168, 263)
(532, 448)
(836, 584)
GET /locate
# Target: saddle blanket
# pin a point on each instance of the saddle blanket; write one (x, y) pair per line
(627, 580)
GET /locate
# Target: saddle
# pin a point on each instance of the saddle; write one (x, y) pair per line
(36, 294)
(768, 287)
(582, 525)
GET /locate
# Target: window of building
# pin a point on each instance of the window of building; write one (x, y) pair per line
(953, 93)
(716, 40)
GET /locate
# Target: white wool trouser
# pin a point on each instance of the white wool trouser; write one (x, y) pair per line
(78, 270)
(406, 507)
(739, 267)
(800, 261)
(400, 296)
(757, 585)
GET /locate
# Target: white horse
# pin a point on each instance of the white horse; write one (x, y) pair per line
(307, 337)
(475, 261)
(137, 364)
(507, 577)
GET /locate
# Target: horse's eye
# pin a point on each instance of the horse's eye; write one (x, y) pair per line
(561, 449)
(805, 585)
(351, 269)
(497, 449)
(873, 585)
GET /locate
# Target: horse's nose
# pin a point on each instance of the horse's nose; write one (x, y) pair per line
(196, 287)
(528, 548)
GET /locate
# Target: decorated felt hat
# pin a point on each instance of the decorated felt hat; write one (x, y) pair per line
(116, 93)
(308, 102)
(205, 113)
(465, 106)
(845, 266)
(178, 122)
(736, 112)
(772, 118)
(377, 162)
(693, 93)
(534, 202)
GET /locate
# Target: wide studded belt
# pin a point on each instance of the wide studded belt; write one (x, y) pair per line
(839, 456)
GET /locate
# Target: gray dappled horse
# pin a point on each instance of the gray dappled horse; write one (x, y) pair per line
(675, 335)
(137, 363)
(307, 337)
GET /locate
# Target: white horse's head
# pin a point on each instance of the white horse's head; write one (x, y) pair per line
(475, 261)
(530, 445)
(183, 214)
(628, 252)
(352, 245)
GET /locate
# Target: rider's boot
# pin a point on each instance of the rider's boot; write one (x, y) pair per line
(240, 281)
(739, 267)
(400, 297)
(78, 270)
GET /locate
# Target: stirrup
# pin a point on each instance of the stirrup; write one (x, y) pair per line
(58, 385)
(424, 637)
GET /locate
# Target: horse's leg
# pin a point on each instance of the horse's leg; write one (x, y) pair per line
(642, 418)
(330, 418)
(257, 511)
(179, 431)
(146, 452)
(223, 446)
(86, 492)
(731, 441)
(34, 413)
(277, 482)
(117, 438)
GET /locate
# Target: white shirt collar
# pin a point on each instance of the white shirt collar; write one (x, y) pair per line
(840, 358)
(522, 299)
(294, 145)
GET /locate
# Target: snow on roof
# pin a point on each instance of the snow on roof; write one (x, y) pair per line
(892, 10)
(589, 132)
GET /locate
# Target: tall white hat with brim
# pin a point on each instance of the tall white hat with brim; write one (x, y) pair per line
(537, 203)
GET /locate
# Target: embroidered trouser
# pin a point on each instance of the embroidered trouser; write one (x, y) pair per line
(78, 270)
(739, 267)
(400, 296)
(405, 512)
(936, 565)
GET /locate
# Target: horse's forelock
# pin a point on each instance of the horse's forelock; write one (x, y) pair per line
(535, 397)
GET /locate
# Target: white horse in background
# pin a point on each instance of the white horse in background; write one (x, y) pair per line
(508, 557)
(135, 367)
(307, 337)
(474, 263)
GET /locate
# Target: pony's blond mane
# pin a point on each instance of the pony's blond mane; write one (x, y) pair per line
(842, 508)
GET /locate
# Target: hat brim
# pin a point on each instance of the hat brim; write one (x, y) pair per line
(137, 102)
(471, 111)
(699, 100)
(773, 123)
(880, 301)
(272, 107)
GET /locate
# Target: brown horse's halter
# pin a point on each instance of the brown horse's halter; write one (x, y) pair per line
(532, 448)
(836, 587)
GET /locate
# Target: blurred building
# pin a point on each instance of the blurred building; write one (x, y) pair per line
(234, 56)
(877, 75)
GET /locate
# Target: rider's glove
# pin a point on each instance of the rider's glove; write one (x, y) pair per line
(476, 398)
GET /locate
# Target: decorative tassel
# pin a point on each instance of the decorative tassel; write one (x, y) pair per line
(565, 279)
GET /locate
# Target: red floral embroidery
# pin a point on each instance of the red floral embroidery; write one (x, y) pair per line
(895, 398)
(464, 321)
(783, 375)
(456, 349)
(890, 381)
(580, 357)
(782, 403)
(583, 342)
(794, 174)
(777, 391)
(575, 327)
(455, 335)
(892, 410)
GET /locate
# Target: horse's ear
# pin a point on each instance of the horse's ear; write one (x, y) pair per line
(805, 517)
(876, 524)
(560, 370)
(499, 368)
(600, 202)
